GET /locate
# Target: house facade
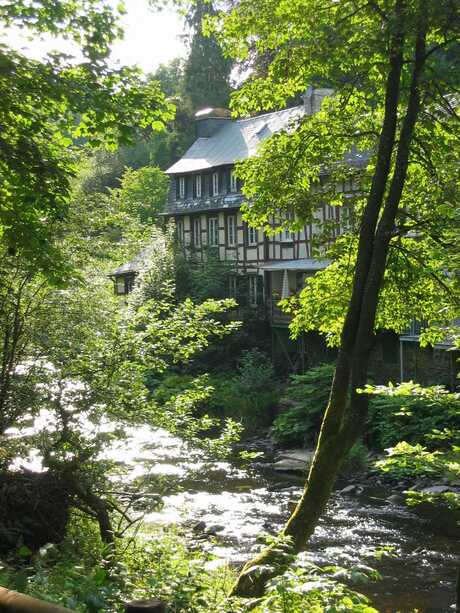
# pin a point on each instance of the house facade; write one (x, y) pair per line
(204, 201)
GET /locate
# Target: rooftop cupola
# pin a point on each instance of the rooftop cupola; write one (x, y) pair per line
(208, 121)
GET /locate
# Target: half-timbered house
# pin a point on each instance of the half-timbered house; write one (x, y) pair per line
(205, 199)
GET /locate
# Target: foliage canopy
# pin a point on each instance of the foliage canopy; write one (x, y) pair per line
(49, 105)
(329, 158)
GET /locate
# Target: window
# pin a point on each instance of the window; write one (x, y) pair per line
(233, 182)
(253, 290)
(197, 232)
(124, 284)
(299, 281)
(181, 187)
(232, 286)
(415, 328)
(180, 231)
(120, 286)
(198, 186)
(215, 183)
(287, 235)
(213, 231)
(231, 230)
(330, 212)
(252, 236)
(390, 348)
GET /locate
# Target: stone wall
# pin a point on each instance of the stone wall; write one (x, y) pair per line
(427, 366)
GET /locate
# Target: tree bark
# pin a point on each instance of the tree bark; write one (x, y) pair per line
(344, 420)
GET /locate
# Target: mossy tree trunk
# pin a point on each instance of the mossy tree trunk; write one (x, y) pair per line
(346, 412)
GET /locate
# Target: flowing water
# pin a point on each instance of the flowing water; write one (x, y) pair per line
(232, 504)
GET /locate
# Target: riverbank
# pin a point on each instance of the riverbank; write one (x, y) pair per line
(226, 506)
(215, 513)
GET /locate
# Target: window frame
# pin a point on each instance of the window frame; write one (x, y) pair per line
(125, 283)
(180, 231)
(231, 230)
(182, 188)
(255, 233)
(120, 284)
(215, 183)
(233, 182)
(286, 235)
(198, 186)
(196, 232)
(214, 235)
(253, 290)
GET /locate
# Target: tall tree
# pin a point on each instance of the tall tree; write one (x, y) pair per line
(389, 132)
(46, 105)
(207, 71)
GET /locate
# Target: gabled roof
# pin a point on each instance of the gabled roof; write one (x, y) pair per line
(236, 140)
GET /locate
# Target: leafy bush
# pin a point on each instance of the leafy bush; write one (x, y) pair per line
(306, 397)
(250, 395)
(357, 458)
(409, 412)
(171, 385)
(85, 576)
(406, 460)
(202, 278)
(307, 587)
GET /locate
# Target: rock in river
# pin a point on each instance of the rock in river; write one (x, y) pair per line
(294, 460)
(436, 489)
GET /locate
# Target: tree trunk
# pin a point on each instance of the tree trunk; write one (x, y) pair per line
(343, 421)
(97, 506)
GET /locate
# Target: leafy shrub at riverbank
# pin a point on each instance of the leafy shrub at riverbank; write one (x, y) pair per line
(251, 394)
(406, 461)
(408, 412)
(405, 412)
(306, 587)
(306, 397)
(84, 575)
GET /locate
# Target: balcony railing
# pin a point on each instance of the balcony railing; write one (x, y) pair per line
(209, 203)
(275, 314)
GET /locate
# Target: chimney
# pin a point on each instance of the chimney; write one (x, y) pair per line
(313, 98)
(208, 121)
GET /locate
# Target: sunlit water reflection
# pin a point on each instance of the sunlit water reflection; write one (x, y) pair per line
(236, 504)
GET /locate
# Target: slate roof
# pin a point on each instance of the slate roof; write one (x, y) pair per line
(235, 140)
(300, 265)
(132, 266)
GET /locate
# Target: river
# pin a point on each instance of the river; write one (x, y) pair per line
(233, 503)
